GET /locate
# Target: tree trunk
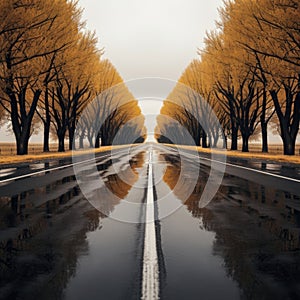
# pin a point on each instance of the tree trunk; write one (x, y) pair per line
(198, 137)
(91, 144)
(225, 142)
(61, 134)
(245, 147)
(104, 136)
(105, 142)
(264, 124)
(289, 127)
(204, 139)
(22, 139)
(81, 138)
(289, 145)
(97, 140)
(264, 133)
(71, 138)
(216, 139)
(47, 123)
(234, 138)
(209, 141)
(22, 143)
(46, 147)
(22, 128)
(61, 143)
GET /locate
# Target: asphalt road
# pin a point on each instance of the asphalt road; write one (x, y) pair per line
(80, 233)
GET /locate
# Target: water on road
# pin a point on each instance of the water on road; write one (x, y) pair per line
(54, 244)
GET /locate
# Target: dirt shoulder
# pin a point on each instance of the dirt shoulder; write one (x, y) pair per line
(17, 159)
(295, 159)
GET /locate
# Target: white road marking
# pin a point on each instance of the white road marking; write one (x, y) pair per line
(52, 169)
(253, 170)
(150, 282)
(246, 168)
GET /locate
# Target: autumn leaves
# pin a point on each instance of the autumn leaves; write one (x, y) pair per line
(50, 70)
(248, 72)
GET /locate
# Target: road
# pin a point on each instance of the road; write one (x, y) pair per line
(131, 225)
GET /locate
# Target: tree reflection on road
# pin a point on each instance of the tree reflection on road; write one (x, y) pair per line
(257, 232)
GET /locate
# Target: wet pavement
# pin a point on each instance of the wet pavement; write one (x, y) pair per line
(245, 244)
(290, 170)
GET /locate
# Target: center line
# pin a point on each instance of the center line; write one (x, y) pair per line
(150, 283)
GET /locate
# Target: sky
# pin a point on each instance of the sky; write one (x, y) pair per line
(150, 38)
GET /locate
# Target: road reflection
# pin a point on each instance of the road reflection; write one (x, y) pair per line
(257, 233)
(44, 230)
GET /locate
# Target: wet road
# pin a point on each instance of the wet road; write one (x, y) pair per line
(55, 244)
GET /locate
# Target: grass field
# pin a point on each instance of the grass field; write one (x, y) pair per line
(8, 153)
(34, 148)
(273, 148)
(275, 153)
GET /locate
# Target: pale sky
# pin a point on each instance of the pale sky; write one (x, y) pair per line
(150, 38)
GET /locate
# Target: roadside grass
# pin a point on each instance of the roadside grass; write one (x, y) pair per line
(33, 148)
(295, 159)
(38, 156)
(273, 148)
(8, 153)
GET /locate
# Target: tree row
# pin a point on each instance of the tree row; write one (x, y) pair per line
(51, 71)
(249, 74)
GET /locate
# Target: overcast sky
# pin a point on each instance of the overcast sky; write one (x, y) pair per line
(150, 37)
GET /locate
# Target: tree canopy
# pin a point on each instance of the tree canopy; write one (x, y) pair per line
(248, 72)
(50, 69)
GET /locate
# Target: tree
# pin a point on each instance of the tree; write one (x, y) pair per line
(113, 116)
(247, 72)
(27, 35)
(122, 114)
(68, 32)
(289, 113)
(74, 85)
(269, 31)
